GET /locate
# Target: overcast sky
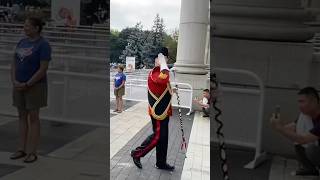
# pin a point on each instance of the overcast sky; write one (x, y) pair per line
(126, 13)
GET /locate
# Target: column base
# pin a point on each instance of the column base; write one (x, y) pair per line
(194, 69)
(198, 82)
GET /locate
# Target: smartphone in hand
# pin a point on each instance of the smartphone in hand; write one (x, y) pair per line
(277, 111)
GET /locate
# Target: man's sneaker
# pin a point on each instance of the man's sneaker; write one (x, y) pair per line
(165, 167)
(136, 161)
(305, 172)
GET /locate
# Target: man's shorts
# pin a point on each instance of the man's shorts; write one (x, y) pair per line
(35, 97)
(119, 92)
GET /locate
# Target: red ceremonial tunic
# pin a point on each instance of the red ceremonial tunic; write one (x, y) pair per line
(159, 94)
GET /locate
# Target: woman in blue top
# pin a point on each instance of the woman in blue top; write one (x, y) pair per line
(119, 88)
(29, 79)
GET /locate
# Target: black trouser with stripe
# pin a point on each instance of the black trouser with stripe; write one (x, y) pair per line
(158, 138)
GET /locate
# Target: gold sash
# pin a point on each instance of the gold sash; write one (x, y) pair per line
(164, 101)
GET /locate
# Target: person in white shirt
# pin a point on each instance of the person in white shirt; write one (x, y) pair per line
(304, 133)
(204, 102)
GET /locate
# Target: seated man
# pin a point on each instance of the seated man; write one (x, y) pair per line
(306, 142)
(204, 103)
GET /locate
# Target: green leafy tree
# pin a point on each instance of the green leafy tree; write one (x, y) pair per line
(158, 34)
(147, 48)
(143, 44)
(134, 44)
(171, 42)
(153, 40)
(115, 46)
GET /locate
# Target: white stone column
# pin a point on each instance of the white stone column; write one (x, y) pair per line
(190, 64)
(207, 51)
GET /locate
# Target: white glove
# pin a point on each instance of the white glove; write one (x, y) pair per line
(163, 63)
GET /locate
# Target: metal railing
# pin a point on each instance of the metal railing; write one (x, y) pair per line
(50, 37)
(11, 32)
(64, 62)
(62, 45)
(77, 76)
(259, 155)
(136, 90)
(71, 97)
(95, 29)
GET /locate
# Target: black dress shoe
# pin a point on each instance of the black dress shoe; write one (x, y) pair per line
(31, 158)
(136, 161)
(165, 167)
(17, 155)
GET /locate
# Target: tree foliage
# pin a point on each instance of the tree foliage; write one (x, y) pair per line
(142, 44)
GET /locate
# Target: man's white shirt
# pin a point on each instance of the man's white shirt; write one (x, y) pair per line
(304, 125)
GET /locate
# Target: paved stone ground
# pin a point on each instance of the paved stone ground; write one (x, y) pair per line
(66, 152)
(53, 136)
(127, 104)
(197, 165)
(122, 167)
(124, 126)
(237, 158)
(7, 169)
(282, 168)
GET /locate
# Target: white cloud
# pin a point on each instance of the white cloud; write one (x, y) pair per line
(126, 13)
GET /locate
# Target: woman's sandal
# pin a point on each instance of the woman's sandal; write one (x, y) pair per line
(32, 157)
(17, 155)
